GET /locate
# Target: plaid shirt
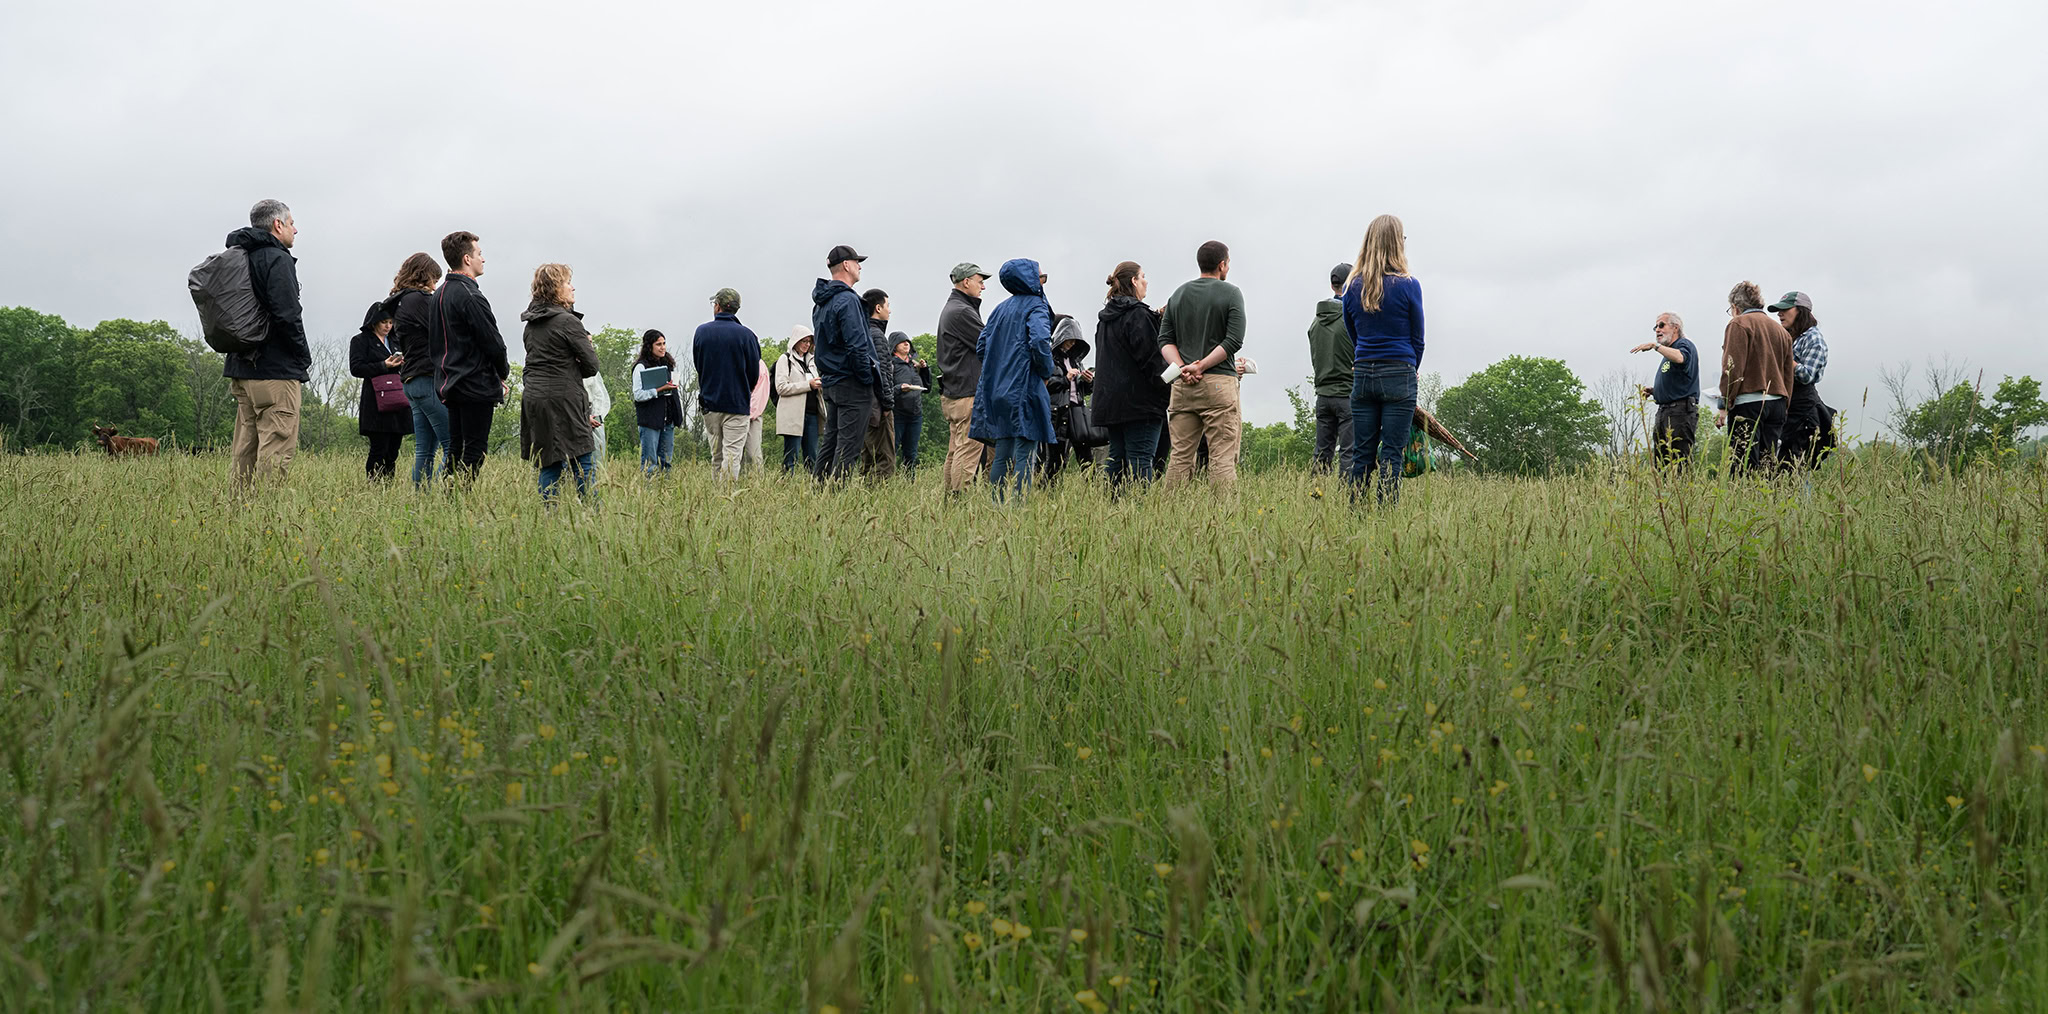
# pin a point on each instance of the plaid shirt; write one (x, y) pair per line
(1809, 356)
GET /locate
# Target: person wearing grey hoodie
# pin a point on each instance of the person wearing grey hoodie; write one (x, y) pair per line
(1329, 353)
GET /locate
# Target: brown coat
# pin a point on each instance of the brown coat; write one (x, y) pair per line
(1756, 357)
(554, 409)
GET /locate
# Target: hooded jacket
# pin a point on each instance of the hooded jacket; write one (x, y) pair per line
(727, 356)
(463, 340)
(1330, 350)
(845, 353)
(1015, 350)
(366, 355)
(554, 408)
(795, 399)
(1128, 364)
(408, 310)
(959, 330)
(275, 274)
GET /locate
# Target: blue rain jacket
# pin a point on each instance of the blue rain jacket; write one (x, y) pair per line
(1015, 349)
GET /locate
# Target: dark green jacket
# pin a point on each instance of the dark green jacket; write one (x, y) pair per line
(1203, 314)
(1329, 350)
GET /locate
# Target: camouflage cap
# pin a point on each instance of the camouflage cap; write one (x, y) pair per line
(728, 298)
(968, 269)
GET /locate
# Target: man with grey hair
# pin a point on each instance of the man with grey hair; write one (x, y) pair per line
(727, 356)
(267, 381)
(1676, 391)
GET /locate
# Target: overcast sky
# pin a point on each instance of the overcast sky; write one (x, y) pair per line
(1565, 170)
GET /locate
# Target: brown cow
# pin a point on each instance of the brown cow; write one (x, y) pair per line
(119, 446)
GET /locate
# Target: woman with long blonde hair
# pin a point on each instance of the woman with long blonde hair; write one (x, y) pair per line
(1383, 314)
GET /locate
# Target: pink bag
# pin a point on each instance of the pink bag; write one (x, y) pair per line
(390, 392)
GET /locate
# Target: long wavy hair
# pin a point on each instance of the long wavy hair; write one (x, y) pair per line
(418, 272)
(1384, 252)
(647, 356)
(1802, 321)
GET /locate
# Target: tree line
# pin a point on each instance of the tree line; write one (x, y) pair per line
(1523, 415)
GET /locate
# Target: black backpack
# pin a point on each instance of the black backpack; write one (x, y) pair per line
(230, 316)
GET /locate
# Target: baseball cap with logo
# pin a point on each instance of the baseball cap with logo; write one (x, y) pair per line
(1792, 299)
(842, 252)
(968, 269)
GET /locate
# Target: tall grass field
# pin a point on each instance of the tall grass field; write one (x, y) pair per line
(1605, 742)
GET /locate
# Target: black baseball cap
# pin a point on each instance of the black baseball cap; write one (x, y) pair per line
(842, 252)
(1339, 275)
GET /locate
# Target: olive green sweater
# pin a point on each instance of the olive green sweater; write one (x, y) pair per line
(1202, 315)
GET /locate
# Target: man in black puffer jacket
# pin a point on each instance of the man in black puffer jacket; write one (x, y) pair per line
(266, 382)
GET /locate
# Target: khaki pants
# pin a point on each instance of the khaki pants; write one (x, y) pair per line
(728, 434)
(878, 454)
(266, 428)
(963, 453)
(1207, 408)
(754, 443)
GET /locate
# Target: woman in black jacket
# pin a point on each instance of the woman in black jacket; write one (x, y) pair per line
(913, 378)
(412, 293)
(373, 357)
(1130, 397)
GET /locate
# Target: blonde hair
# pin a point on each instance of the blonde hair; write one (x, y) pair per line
(551, 284)
(1383, 253)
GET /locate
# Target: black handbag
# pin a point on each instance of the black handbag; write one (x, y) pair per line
(1081, 428)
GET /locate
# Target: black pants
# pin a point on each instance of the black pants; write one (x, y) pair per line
(383, 454)
(1804, 422)
(1333, 433)
(469, 435)
(846, 428)
(1753, 432)
(1677, 427)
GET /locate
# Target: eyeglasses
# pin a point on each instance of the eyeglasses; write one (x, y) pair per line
(1659, 326)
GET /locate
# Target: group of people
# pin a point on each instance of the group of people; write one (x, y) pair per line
(1016, 395)
(1769, 399)
(1014, 390)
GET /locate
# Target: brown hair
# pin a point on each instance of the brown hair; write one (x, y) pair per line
(1802, 321)
(550, 284)
(455, 246)
(418, 272)
(1124, 280)
(1211, 256)
(1746, 296)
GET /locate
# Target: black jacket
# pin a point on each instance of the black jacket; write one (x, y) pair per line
(463, 340)
(275, 274)
(913, 372)
(408, 310)
(959, 330)
(366, 355)
(1128, 364)
(662, 410)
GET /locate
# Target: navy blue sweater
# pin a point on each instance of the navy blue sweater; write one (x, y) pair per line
(728, 361)
(1394, 332)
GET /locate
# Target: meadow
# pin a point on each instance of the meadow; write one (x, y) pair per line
(1601, 742)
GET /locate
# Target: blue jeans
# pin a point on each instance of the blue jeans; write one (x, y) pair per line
(1130, 451)
(807, 444)
(908, 429)
(551, 476)
(1382, 413)
(429, 428)
(657, 448)
(1012, 458)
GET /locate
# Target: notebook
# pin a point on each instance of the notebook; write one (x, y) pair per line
(653, 377)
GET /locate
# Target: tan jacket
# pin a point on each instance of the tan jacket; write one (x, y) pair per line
(1756, 356)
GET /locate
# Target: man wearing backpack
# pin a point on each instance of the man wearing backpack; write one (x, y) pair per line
(266, 380)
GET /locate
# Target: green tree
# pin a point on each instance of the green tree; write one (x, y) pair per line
(130, 379)
(1956, 424)
(38, 402)
(1524, 415)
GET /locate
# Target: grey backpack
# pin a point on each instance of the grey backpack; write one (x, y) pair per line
(230, 316)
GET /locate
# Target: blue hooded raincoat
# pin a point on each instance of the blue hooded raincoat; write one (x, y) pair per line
(1015, 349)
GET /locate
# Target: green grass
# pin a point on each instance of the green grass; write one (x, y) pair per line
(1580, 744)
